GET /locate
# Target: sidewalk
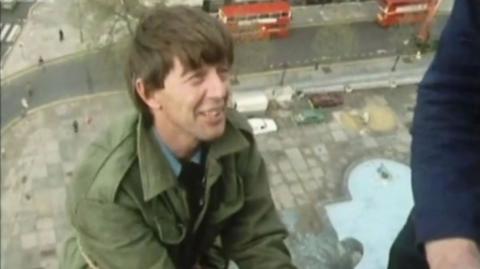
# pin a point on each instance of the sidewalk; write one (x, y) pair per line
(358, 75)
(39, 37)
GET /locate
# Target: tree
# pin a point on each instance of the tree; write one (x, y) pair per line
(104, 22)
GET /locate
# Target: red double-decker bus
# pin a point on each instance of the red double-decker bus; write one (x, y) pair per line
(259, 20)
(396, 12)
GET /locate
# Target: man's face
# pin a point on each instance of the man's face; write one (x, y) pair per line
(194, 101)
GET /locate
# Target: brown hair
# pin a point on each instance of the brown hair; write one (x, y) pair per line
(163, 33)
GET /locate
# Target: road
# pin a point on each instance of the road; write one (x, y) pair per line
(11, 23)
(98, 71)
(305, 46)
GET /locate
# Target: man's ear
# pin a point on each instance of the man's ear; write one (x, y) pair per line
(149, 98)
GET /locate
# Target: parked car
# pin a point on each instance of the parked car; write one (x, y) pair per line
(310, 116)
(325, 99)
(262, 125)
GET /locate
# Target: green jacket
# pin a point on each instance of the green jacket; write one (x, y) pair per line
(128, 210)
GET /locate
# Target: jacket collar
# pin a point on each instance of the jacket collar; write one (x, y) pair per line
(156, 173)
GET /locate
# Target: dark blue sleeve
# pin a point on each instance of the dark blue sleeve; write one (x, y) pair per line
(446, 133)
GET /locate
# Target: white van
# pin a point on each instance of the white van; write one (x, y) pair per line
(250, 102)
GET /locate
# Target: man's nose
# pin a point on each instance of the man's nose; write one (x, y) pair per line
(217, 87)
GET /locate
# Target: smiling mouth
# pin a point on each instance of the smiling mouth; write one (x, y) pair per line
(213, 115)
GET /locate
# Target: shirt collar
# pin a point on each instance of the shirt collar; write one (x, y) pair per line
(175, 164)
(156, 173)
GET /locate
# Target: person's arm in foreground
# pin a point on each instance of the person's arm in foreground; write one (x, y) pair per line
(446, 146)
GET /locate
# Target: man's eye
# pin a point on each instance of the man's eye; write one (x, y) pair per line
(196, 80)
(223, 72)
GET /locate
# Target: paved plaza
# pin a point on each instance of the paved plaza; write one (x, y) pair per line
(308, 166)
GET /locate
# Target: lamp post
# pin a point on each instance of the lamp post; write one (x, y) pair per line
(284, 71)
(79, 20)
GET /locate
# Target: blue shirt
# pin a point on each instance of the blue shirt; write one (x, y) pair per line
(175, 164)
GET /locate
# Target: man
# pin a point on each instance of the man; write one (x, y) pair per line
(443, 230)
(182, 185)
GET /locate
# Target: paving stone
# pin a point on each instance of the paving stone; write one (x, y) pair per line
(402, 148)
(26, 222)
(40, 169)
(325, 158)
(31, 259)
(331, 185)
(293, 153)
(339, 136)
(52, 146)
(301, 200)
(297, 189)
(52, 157)
(50, 263)
(320, 149)
(310, 185)
(285, 166)
(58, 199)
(55, 170)
(46, 237)
(288, 142)
(312, 162)
(334, 126)
(307, 151)
(285, 197)
(300, 166)
(44, 224)
(317, 172)
(43, 203)
(272, 168)
(29, 240)
(290, 177)
(405, 137)
(304, 175)
(275, 179)
(369, 142)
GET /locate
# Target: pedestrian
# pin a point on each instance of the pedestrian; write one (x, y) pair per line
(75, 126)
(60, 35)
(443, 228)
(142, 197)
(29, 90)
(40, 61)
(25, 106)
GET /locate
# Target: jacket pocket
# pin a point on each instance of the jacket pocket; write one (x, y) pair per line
(169, 231)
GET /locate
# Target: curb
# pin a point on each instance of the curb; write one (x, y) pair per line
(18, 119)
(52, 61)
